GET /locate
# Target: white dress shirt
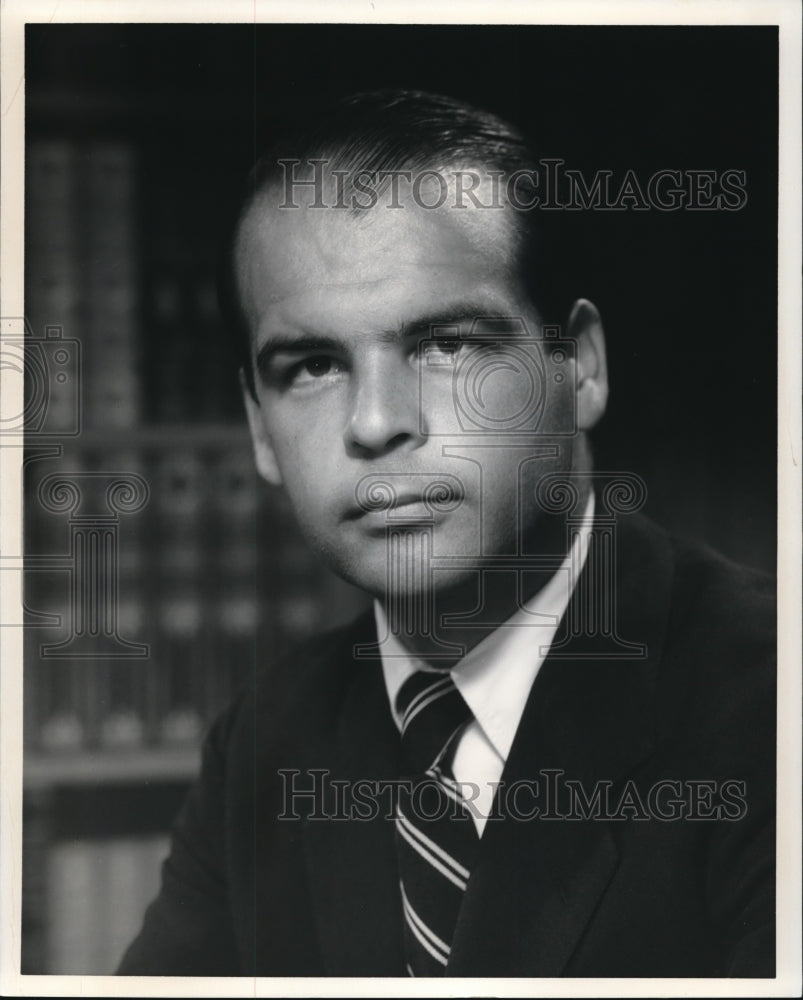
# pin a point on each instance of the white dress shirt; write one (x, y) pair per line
(495, 677)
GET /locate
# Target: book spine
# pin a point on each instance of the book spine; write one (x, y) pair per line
(181, 650)
(63, 684)
(54, 296)
(36, 916)
(112, 335)
(74, 879)
(123, 716)
(235, 555)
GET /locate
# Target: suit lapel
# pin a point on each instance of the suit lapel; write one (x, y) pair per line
(537, 881)
(352, 865)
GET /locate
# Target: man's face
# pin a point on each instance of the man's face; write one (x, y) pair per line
(354, 390)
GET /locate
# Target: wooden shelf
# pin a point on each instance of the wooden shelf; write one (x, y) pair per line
(215, 435)
(110, 767)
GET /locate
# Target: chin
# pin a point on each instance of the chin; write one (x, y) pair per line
(362, 570)
(362, 560)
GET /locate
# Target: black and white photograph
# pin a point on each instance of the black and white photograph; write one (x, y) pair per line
(399, 439)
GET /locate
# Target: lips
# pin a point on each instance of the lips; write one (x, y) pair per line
(387, 505)
(412, 509)
(381, 496)
(405, 500)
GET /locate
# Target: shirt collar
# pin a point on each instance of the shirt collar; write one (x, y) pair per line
(495, 677)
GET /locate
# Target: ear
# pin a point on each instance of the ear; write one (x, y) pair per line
(264, 455)
(591, 385)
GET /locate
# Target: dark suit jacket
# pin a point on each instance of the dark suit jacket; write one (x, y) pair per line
(246, 893)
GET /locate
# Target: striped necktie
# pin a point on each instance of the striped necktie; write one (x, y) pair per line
(435, 835)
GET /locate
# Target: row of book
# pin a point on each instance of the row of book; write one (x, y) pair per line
(143, 624)
(82, 267)
(96, 893)
(131, 286)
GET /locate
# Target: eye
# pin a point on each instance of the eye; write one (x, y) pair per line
(314, 368)
(448, 346)
(444, 351)
(317, 366)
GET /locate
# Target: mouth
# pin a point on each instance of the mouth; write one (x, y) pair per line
(404, 506)
(380, 502)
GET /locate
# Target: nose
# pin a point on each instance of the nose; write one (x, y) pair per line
(385, 413)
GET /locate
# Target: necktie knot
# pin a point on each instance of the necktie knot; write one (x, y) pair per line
(432, 711)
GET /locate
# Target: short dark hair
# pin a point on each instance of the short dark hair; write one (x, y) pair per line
(387, 130)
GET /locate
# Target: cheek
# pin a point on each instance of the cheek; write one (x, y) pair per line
(434, 400)
(302, 441)
(313, 419)
(313, 480)
(306, 485)
(499, 391)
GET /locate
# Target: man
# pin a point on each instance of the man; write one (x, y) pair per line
(532, 758)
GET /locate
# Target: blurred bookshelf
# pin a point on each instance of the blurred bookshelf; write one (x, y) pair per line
(209, 577)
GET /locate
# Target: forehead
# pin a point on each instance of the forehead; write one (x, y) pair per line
(381, 261)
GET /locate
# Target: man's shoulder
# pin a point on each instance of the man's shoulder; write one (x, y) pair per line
(315, 669)
(715, 596)
(298, 691)
(717, 663)
(705, 588)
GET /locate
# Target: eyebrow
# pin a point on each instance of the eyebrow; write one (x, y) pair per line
(423, 326)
